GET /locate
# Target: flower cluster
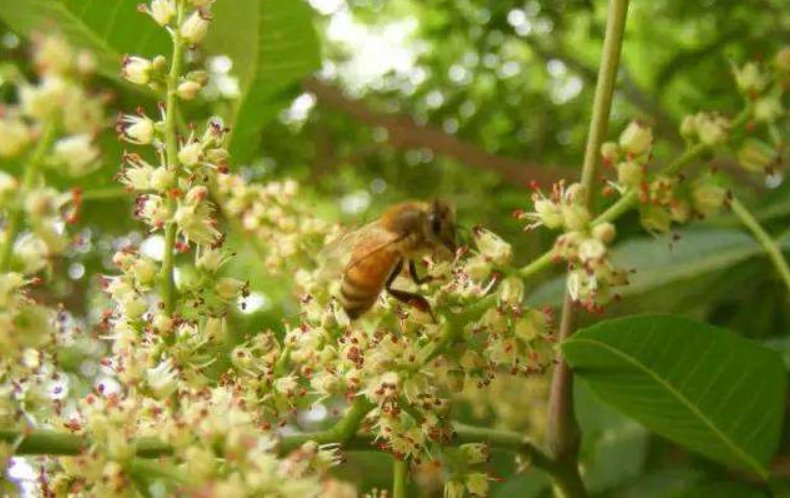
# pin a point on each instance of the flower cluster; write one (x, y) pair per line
(665, 199)
(277, 219)
(584, 244)
(53, 125)
(168, 324)
(393, 359)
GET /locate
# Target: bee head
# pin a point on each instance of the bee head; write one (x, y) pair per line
(440, 229)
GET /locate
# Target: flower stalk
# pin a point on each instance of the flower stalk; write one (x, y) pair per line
(400, 478)
(563, 438)
(31, 173)
(167, 284)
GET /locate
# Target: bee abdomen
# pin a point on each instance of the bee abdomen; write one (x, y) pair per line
(355, 296)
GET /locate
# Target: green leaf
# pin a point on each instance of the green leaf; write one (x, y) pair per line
(659, 262)
(703, 387)
(273, 45)
(614, 447)
(110, 29)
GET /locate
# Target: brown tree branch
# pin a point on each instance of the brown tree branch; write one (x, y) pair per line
(404, 133)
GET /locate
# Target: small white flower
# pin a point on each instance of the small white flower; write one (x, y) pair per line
(162, 379)
(630, 174)
(711, 129)
(493, 247)
(162, 178)
(548, 213)
(137, 70)
(591, 250)
(137, 129)
(139, 177)
(756, 156)
(194, 28)
(8, 187)
(54, 54)
(32, 252)
(162, 11)
(43, 101)
(76, 152)
(750, 78)
(16, 135)
(190, 154)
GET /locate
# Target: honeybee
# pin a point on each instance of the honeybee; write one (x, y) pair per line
(371, 258)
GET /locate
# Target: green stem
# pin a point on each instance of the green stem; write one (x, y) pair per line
(343, 431)
(28, 182)
(764, 238)
(167, 285)
(563, 436)
(400, 478)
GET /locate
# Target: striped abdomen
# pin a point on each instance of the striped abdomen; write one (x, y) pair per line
(364, 279)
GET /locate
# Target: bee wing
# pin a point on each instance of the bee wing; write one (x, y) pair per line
(353, 247)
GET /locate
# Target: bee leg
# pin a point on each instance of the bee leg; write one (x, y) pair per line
(409, 298)
(414, 276)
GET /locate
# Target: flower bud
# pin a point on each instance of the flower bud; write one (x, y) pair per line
(188, 90)
(610, 152)
(511, 291)
(756, 155)
(680, 210)
(76, 152)
(144, 271)
(137, 70)
(575, 217)
(655, 219)
(591, 250)
(86, 63)
(477, 484)
(53, 54)
(630, 174)
(711, 129)
(782, 59)
(162, 178)
(16, 135)
(605, 232)
(475, 453)
(228, 288)
(190, 154)
(194, 28)
(493, 247)
(708, 199)
(210, 260)
(750, 78)
(43, 101)
(575, 194)
(162, 11)
(636, 139)
(768, 109)
(688, 127)
(8, 187)
(163, 324)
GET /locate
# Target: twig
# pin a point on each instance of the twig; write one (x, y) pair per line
(764, 238)
(562, 434)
